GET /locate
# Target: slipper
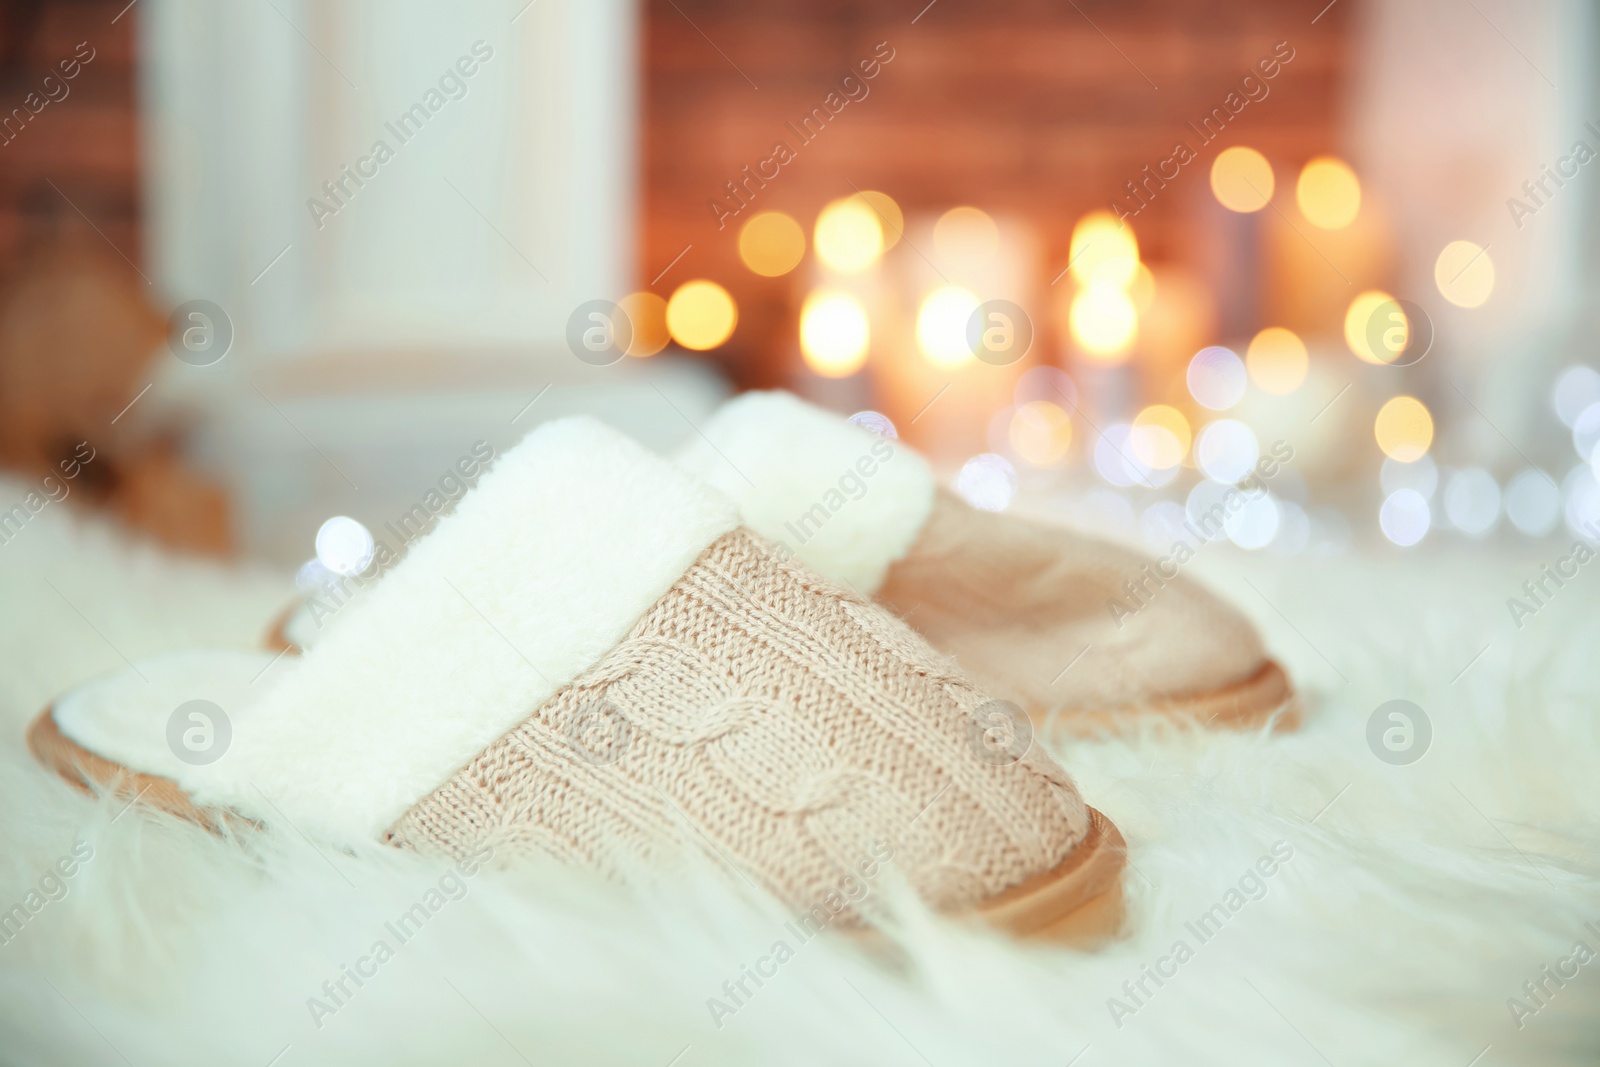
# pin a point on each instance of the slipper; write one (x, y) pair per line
(590, 658)
(1067, 626)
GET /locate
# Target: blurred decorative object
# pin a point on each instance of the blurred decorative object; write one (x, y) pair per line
(77, 338)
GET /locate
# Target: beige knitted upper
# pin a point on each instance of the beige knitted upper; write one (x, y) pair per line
(1016, 602)
(760, 716)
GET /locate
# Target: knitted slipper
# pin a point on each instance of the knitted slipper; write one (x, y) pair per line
(590, 658)
(1060, 623)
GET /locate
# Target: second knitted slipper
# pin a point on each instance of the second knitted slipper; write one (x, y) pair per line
(1064, 625)
(590, 659)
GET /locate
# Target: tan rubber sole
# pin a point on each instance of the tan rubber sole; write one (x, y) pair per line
(1079, 902)
(277, 639)
(1264, 698)
(82, 768)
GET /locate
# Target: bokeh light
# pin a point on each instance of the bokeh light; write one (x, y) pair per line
(1464, 274)
(834, 335)
(1161, 436)
(848, 236)
(1582, 502)
(1118, 463)
(1421, 475)
(1472, 501)
(890, 217)
(1205, 505)
(312, 577)
(1217, 378)
(1241, 179)
(1294, 530)
(772, 244)
(1586, 431)
(1405, 517)
(965, 234)
(647, 313)
(1161, 525)
(344, 545)
(1533, 502)
(1254, 523)
(1277, 360)
(1040, 433)
(987, 482)
(1329, 193)
(1575, 389)
(701, 315)
(1103, 250)
(942, 325)
(1404, 429)
(1226, 451)
(1103, 322)
(1358, 321)
(875, 422)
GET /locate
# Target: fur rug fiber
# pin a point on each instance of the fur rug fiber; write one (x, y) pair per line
(1292, 900)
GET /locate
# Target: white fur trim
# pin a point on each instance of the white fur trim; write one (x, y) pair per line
(538, 572)
(801, 477)
(123, 715)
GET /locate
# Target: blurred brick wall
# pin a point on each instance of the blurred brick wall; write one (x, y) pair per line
(85, 143)
(1014, 106)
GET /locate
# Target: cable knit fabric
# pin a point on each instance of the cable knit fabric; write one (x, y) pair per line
(1018, 602)
(766, 719)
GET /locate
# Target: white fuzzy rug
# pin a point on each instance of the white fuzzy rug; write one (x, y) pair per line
(1417, 901)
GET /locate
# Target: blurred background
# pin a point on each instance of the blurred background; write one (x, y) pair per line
(271, 262)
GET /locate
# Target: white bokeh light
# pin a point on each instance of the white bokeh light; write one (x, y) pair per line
(312, 577)
(1586, 431)
(1577, 388)
(1217, 378)
(1533, 503)
(1116, 460)
(987, 482)
(1582, 502)
(876, 422)
(344, 546)
(1227, 450)
(1421, 475)
(1405, 517)
(1255, 524)
(1206, 505)
(1472, 501)
(1294, 530)
(1161, 525)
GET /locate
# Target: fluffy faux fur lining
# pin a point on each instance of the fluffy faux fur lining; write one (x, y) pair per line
(844, 500)
(540, 570)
